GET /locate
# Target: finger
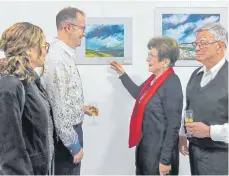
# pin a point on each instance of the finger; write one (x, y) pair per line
(191, 132)
(114, 68)
(115, 64)
(182, 151)
(191, 125)
(84, 108)
(112, 62)
(190, 129)
(186, 152)
(75, 161)
(188, 125)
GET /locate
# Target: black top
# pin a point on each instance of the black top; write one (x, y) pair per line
(24, 139)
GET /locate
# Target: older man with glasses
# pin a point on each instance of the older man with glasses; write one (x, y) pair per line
(207, 98)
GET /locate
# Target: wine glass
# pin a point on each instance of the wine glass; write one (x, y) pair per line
(189, 118)
(95, 113)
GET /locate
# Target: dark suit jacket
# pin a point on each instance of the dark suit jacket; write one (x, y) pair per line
(23, 138)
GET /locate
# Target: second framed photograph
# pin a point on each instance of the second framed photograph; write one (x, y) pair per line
(181, 24)
(106, 39)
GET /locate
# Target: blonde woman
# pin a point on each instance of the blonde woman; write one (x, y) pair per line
(26, 123)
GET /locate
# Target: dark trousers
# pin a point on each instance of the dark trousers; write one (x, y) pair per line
(208, 161)
(64, 164)
(153, 169)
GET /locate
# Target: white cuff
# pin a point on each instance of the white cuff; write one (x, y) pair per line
(219, 133)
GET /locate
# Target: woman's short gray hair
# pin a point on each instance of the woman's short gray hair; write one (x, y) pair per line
(217, 30)
(166, 47)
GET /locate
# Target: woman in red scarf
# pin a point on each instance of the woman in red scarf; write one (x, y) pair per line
(156, 117)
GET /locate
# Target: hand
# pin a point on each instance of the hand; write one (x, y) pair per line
(163, 169)
(183, 146)
(90, 110)
(117, 67)
(78, 157)
(198, 129)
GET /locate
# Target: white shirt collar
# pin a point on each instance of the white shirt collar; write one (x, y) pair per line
(67, 49)
(214, 70)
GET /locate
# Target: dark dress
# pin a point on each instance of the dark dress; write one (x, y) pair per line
(161, 124)
(24, 148)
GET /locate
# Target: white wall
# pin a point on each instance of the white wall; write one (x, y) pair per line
(106, 149)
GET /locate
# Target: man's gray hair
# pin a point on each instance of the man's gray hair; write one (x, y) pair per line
(68, 14)
(217, 30)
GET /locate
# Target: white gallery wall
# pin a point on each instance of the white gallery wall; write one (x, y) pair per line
(106, 143)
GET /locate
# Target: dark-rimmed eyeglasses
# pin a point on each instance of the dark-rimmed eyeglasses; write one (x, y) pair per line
(202, 44)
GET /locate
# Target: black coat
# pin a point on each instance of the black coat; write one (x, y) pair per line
(23, 139)
(160, 128)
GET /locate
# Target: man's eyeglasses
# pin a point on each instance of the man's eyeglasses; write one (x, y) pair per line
(202, 44)
(46, 46)
(81, 27)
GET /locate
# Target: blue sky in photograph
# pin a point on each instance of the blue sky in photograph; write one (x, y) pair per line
(182, 27)
(104, 36)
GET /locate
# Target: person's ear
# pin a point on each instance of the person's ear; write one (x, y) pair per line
(220, 46)
(67, 27)
(166, 63)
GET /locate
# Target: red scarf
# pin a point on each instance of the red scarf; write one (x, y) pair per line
(135, 132)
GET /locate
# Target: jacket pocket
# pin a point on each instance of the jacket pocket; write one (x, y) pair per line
(40, 163)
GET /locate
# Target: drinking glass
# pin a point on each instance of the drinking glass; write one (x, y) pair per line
(95, 113)
(188, 118)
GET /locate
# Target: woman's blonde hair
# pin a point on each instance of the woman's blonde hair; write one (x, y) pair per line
(15, 41)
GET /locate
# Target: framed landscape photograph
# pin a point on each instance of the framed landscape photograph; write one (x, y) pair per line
(182, 23)
(106, 40)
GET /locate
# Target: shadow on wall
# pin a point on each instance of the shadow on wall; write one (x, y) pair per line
(119, 159)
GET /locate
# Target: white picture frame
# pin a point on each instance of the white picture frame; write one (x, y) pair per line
(83, 58)
(177, 22)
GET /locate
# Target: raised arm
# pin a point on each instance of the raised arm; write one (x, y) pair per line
(131, 87)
